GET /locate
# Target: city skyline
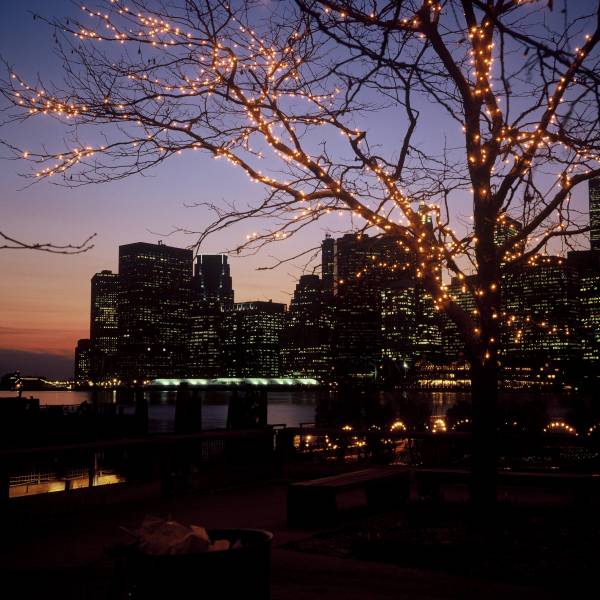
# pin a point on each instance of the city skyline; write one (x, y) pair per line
(368, 320)
(311, 287)
(43, 307)
(43, 300)
(61, 365)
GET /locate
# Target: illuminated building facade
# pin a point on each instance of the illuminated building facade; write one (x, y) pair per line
(204, 345)
(212, 283)
(251, 339)
(459, 289)
(505, 229)
(327, 265)
(586, 265)
(541, 344)
(83, 361)
(154, 310)
(104, 322)
(212, 294)
(594, 205)
(410, 324)
(363, 267)
(306, 338)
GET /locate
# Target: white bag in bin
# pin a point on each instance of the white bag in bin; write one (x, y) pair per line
(159, 537)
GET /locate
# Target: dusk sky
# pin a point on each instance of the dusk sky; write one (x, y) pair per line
(44, 298)
(44, 301)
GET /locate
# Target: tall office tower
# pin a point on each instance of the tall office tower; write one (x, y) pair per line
(327, 264)
(104, 323)
(205, 358)
(365, 264)
(212, 294)
(505, 229)
(586, 265)
(154, 310)
(212, 281)
(459, 289)
(540, 341)
(363, 267)
(306, 343)
(594, 203)
(410, 324)
(83, 361)
(252, 338)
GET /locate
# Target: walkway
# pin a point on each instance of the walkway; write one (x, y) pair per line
(65, 559)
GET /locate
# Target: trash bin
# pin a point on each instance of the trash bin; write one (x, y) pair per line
(240, 572)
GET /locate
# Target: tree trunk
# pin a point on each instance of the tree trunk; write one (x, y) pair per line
(484, 394)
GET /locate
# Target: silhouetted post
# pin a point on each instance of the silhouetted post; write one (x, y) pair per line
(141, 411)
(188, 410)
(91, 469)
(196, 408)
(261, 408)
(95, 399)
(4, 487)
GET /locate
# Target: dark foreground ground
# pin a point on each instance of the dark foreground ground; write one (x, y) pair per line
(419, 552)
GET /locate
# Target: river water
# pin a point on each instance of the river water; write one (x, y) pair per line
(292, 408)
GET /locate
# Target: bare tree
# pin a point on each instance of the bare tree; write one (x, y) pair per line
(285, 92)
(10, 243)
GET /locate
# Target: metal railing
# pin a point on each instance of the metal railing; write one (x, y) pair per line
(174, 459)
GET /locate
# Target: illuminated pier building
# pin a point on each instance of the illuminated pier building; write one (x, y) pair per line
(154, 310)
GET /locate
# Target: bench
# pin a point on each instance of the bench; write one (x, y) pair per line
(312, 503)
(581, 487)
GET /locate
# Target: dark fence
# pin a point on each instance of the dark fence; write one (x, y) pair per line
(209, 458)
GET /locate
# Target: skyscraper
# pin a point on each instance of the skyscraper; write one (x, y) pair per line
(586, 265)
(327, 268)
(363, 266)
(212, 292)
(460, 290)
(540, 310)
(251, 339)
(104, 323)
(594, 204)
(212, 281)
(154, 310)
(83, 361)
(306, 339)
(506, 228)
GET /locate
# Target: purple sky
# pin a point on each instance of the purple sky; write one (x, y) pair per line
(44, 298)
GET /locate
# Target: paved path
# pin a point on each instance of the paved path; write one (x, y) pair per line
(66, 559)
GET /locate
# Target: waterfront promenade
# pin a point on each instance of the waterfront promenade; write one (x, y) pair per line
(64, 557)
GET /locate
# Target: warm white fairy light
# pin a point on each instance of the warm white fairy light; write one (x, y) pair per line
(228, 68)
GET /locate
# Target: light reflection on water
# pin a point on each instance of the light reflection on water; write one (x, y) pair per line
(286, 408)
(433, 410)
(291, 408)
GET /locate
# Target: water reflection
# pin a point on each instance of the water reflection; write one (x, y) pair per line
(417, 410)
